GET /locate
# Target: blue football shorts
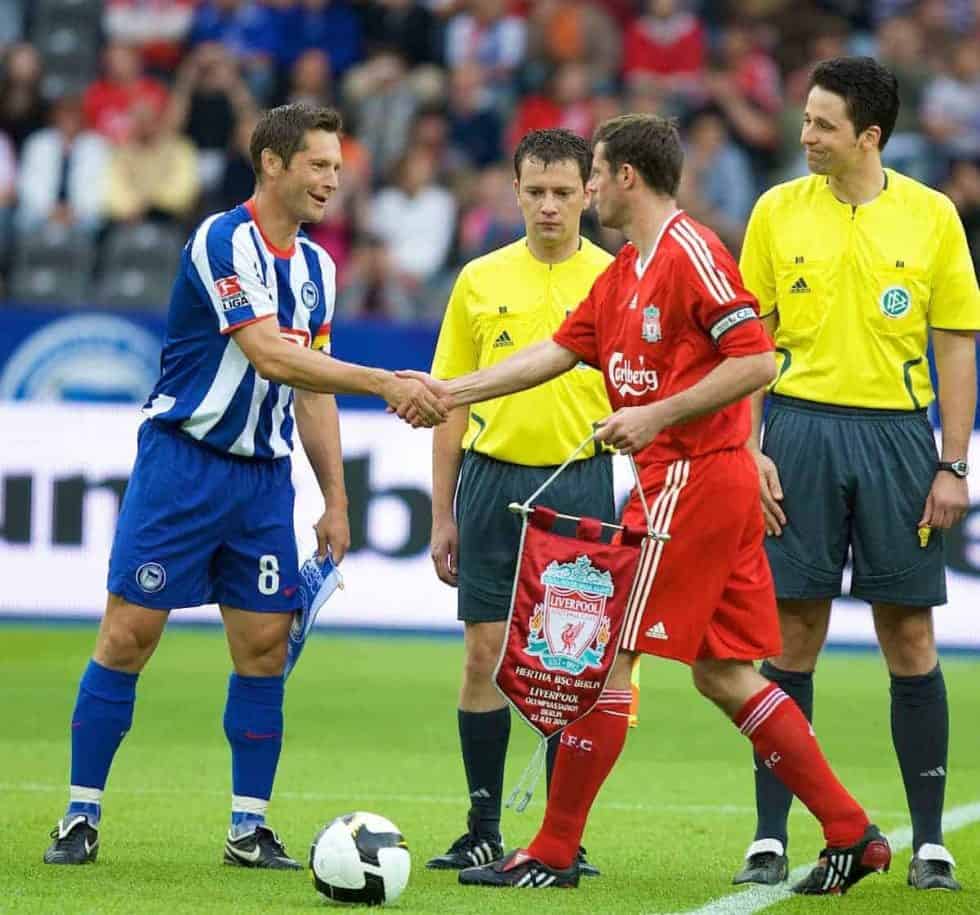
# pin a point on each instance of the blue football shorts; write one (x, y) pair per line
(198, 526)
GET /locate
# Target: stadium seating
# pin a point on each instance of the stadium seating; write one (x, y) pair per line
(138, 267)
(52, 265)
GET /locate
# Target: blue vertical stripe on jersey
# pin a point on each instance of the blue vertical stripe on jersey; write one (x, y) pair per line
(207, 388)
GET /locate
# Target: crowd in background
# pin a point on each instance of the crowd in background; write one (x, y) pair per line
(122, 122)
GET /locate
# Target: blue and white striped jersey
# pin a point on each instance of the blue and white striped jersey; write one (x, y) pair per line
(230, 276)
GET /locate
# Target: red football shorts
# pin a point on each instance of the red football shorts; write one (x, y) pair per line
(708, 591)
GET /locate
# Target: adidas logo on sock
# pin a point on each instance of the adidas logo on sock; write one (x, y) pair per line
(799, 286)
(657, 631)
(503, 340)
(480, 793)
(938, 772)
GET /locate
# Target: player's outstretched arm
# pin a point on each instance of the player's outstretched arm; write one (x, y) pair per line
(285, 363)
(528, 368)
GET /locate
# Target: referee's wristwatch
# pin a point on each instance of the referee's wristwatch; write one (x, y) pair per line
(958, 468)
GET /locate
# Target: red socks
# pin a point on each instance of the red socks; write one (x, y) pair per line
(589, 749)
(786, 744)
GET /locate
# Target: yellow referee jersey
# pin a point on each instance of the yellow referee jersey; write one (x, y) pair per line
(502, 302)
(857, 288)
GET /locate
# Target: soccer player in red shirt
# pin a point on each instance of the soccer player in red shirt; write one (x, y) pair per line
(678, 339)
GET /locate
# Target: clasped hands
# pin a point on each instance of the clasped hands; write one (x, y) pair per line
(422, 400)
(418, 398)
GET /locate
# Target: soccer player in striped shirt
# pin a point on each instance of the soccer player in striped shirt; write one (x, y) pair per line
(680, 344)
(208, 513)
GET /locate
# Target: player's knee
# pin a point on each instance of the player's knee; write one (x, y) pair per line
(122, 647)
(711, 681)
(261, 658)
(480, 662)
(910, 651)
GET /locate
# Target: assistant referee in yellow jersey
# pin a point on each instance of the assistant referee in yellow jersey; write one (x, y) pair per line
(502, 450)
(856, 268)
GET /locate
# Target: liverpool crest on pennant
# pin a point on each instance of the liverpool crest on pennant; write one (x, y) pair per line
(569, 630)
(651, 324)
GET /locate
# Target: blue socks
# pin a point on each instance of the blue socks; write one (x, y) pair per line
(253, 726)
(103, 714)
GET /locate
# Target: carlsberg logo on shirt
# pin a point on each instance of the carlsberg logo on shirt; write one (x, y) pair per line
(630, 380)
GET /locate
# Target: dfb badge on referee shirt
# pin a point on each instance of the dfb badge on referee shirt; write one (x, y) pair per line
(651, 324)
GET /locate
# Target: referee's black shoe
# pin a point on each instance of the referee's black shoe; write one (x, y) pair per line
(931, 868)
(469, 850)
(765, 863)
(76, 841)
(522, 871)
(838, 869)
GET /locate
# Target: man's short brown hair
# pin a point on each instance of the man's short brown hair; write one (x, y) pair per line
(649, 143)
(284, 129)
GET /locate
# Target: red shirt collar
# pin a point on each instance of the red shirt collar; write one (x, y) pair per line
(278, 252)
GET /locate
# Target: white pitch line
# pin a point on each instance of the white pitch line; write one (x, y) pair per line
(757, 898)
(449, 800)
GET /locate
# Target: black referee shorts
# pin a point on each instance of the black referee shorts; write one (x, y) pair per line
(489, 535)
(854, 482)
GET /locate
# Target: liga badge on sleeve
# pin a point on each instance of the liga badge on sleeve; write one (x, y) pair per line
(568, 604)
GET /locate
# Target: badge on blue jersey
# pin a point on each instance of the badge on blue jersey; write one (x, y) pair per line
(308, 293)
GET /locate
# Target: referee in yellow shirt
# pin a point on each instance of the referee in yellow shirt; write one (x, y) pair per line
(502, 450)
(856, 267)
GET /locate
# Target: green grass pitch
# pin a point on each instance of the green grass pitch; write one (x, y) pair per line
(371, 725)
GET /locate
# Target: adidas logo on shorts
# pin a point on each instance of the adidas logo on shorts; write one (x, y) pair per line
(799, 286)
(657, 631)
(503, 340)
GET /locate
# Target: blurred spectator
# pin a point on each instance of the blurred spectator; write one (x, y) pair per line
(8, 193)
(383, 101)
(430, 134)
(330, 26)
(157, 27)
(963, 188)
(154, 174)
(938, 20)
(665, 44)
(63, 172)
(110, 102)
(405, 25)
(575, 31)
(22, 109)
(238, 178)
(717, 186)
(209, 97)
(743, 82)
(568, 104)
(900, 49)
(373, 289)
(310, 79)
(416, 219)
(11, 21)
(253, 33)
(486, 34)
(951, 106)
(493, 219)
(475, 131)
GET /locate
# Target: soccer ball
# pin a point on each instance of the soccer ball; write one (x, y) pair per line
(361, 858)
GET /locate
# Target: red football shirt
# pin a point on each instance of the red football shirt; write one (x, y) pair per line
(657, 329)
